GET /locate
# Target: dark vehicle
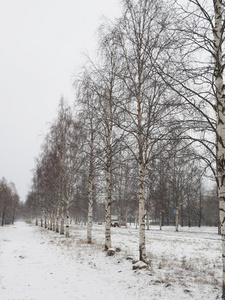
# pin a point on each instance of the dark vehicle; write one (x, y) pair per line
(114, 221)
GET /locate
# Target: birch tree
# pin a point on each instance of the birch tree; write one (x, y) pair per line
(142, 37)
(104, 91)
(9, 201)
(87, 97)
(218, 34)
(74, 161)
(201, 85)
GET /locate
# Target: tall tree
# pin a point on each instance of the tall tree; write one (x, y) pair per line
(87, 97)
(142, 36)
(198, 79)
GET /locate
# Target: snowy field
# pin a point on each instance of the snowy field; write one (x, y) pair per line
(38, 264)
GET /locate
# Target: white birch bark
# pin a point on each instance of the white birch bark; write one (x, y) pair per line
(219, 83)
(67, 221)
(62, 206)
(142, 169)
(57, 213)
(90, 186)
(62, 215)
(69, 191)
(142, 247)
(108, 198)
(63, 162)
(53, 219)
(45, 218)
(68, 197)
(90, 208)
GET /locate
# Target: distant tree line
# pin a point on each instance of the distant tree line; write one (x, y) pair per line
(9, 202)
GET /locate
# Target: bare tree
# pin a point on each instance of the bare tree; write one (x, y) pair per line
(198, 79)
(9, 202)
(87, 97)
(142, 37)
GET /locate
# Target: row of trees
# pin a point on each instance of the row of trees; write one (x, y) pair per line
(149, 123)
(9, 202)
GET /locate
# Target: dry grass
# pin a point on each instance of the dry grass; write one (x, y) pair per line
(170, 269)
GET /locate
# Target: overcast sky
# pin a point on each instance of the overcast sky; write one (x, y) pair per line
(41, 48)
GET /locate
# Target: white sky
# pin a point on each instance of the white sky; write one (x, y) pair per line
(41, 46)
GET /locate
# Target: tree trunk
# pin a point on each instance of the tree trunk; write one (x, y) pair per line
(160, 219)
(107, 213)
(142, 248)
(90, 188)
(63, 187)
(126, 217)
(53, 219)
(177, 216)
(45, 216)
(218, 73)
(67, 220)
(62, 217)
(108, 198)
(57, 219)
(3, 216)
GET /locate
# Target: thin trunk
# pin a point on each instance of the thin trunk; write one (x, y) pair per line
(57, 212)
(119, 216)
(3, 216)
(90, 190)
(108, 201)
(36, 212)
(182, 213)
(177, 215)
(36, 220)
(108, 178)
(46, 225)
(142, 248)
(68, 197)
(63, 189)
(57, 219)
(160, 219)
(90, 210)
(126, 217)
(53, 219)
(62, 216)
(67, 221)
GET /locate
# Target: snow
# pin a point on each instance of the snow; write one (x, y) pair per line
(38, 264)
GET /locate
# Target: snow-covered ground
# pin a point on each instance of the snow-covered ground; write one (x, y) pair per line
(39, 264)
